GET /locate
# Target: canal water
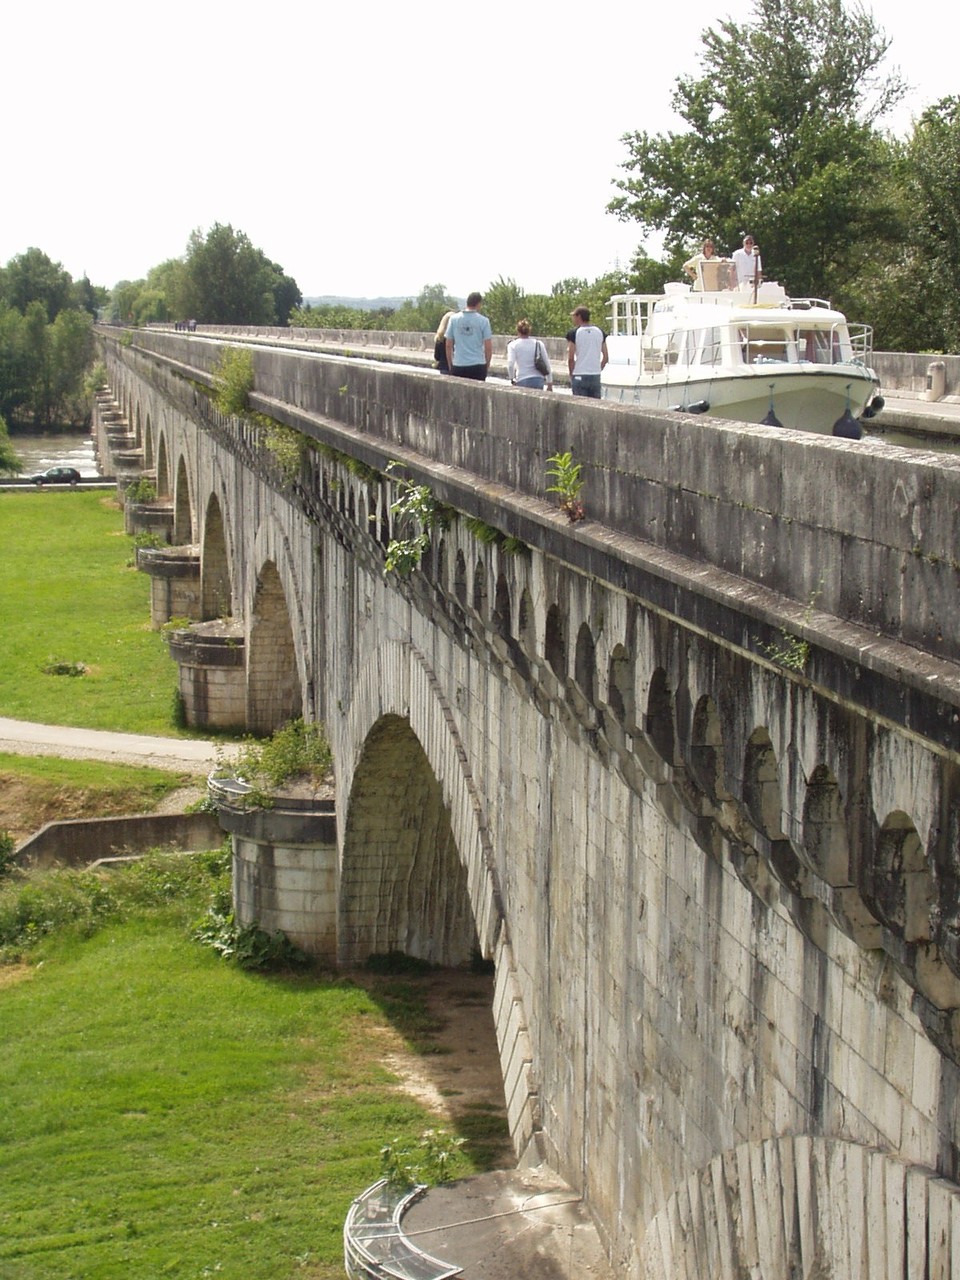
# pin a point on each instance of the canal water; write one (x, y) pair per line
(66, 449)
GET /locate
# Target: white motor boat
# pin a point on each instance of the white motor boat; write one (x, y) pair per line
(746, 352)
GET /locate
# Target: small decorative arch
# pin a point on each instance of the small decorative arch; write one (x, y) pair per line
(526, 629)
(903, 884)
(460, 579)
(501, 608)
(620, 692)
(761, 786)
(585, 663)
(555, 642)
(480, 589)
(706, 749)
(825, 844)
(659, 722)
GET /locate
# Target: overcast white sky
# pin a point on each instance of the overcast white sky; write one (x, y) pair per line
(369, 148)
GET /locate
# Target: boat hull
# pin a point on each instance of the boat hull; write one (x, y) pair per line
(805, 399)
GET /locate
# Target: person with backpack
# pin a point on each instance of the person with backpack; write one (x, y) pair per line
(528, 364)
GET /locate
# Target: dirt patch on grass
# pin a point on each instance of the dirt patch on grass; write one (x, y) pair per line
(28, 804)
(441, 1044)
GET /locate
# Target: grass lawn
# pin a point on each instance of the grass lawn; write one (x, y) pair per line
(68, 592)
(167, 1115)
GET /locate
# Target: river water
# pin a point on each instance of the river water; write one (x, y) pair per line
(66, 449)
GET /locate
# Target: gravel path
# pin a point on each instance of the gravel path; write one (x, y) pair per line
(183, 755)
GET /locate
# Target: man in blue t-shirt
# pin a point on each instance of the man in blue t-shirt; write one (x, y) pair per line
(586, 354)
(470, 341)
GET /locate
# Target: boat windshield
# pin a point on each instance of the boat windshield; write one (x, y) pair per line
(826, 344)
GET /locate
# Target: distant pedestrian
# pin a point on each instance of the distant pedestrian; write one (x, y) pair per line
(586, 354)
(440, 342)
(469, 341)
(523, 353)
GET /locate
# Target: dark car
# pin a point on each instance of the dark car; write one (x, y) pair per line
(57, 475)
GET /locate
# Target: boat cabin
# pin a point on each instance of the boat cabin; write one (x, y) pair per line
(730, 328)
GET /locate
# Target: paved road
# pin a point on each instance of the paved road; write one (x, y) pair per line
(187, 755)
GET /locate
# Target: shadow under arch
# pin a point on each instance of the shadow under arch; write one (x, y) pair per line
(403, 884)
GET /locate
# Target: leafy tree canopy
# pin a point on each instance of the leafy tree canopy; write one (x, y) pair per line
(780, 141)
(932, 185)
(226, 280)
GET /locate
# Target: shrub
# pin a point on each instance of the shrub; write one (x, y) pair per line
(297, 750)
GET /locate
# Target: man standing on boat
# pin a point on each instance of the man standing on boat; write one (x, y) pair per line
(469, 341)
(586, 354)
(747, 261)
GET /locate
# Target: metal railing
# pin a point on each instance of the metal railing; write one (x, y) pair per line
(374, 1246)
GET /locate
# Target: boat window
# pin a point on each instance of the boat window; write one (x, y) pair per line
(818, 346)
(762, 344)
(710, 350)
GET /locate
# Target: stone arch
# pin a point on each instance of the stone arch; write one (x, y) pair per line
(761, 786)
(403, 884)
(526, 627)
(502, 617)
(555, 642)
(163, 468)
(660, 726)
(805, 1207)
(274, 695)
(216, 592)
(460, 578)
(182, 507)
(620, 692)
(825, 845)
(903, 890)
(480, 589)
(706, 749)
(148, 445)
(585, 663)
(383, 696)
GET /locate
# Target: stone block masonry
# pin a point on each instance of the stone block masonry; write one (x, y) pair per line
(719, 890)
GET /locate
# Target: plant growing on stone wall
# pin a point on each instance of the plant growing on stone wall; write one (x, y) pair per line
(567, 486)
(296, 750)
(791, 652)
(233, 382)
(142, 490)
(489, 535)
(417, 513)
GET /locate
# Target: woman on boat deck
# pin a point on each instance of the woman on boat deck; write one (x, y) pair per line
(522, 354)
(706, 254)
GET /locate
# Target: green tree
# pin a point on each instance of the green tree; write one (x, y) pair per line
(10, 464)
(781, 140)
(226, 280)
(933, 186)
(33, 277)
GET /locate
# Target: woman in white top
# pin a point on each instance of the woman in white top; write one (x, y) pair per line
(521, 354)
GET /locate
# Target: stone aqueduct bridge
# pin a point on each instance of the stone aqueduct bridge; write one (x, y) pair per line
(687, 772)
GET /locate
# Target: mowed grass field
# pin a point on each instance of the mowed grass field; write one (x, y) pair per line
(168, 1115)
(69, 593)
